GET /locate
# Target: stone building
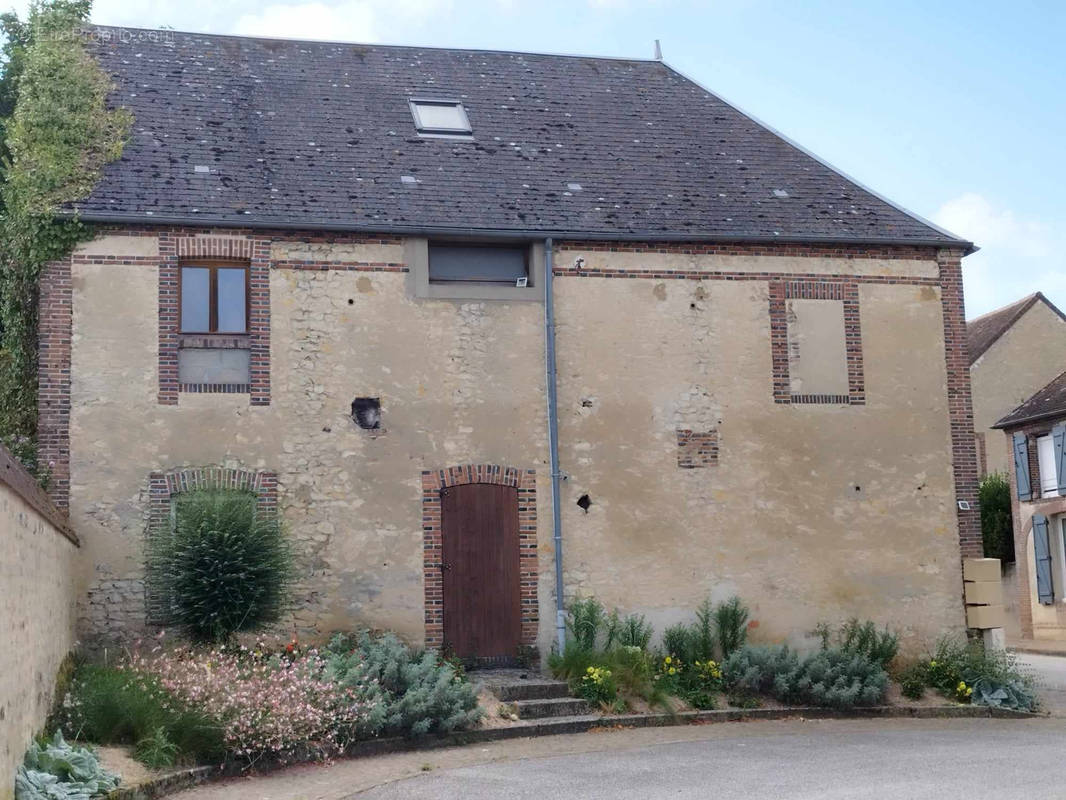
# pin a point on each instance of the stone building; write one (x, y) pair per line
(329, 273)
(1014, 351)
(1036, 444)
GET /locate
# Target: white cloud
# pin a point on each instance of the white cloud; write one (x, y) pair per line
(1018, 256)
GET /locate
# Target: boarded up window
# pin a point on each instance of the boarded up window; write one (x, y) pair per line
(817, 352)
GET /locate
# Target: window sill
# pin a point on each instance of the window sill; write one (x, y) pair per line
(215, 388)
(214, 341)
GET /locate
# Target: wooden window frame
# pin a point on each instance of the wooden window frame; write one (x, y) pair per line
(213, 265)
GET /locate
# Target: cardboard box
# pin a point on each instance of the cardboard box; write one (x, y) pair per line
(984, 593)
(980, 569)
(985, 617)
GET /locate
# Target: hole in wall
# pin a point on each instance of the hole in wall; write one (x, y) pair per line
(584, 502)
(366, 411)
(351, 302)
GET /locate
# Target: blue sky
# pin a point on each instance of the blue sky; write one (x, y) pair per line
(953, 109)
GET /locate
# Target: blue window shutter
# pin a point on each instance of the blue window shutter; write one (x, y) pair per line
(1021, 466)
(1042, 551)
(1058, 436)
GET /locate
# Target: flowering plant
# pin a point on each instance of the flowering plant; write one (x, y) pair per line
(284, 707)
(597, 686)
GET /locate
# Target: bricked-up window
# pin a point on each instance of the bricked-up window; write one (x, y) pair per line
(475, 263)
(816, 342)
(214, 298)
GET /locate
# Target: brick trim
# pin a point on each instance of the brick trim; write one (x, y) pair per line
(215, 388)
(432, 543)
(697, 449)
(845, 291)
(982, 453)
(54, 331)
(164, 485)
(894, 252)
(342, 266)
(583, 271)
(960, 405)
(173, 247)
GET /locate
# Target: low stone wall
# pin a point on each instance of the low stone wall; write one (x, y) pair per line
(37, 610)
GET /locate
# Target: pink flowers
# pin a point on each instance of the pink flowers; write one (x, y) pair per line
(268, 705)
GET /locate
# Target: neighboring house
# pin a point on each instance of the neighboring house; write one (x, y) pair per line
(1036, 442)
(1014, 351)
(322, 273)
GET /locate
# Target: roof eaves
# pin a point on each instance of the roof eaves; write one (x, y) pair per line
(968, 247)
(1007, 422)
(421, 230)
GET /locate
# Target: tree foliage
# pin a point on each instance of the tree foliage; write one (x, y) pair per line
(58, 136)
(997, 524)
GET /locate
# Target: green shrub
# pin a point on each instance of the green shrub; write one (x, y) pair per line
(585, 621)
(630, 631)
(967, 672)
(156, 751)
(107, 705)
(702, 632)
(416, 692)
(224, 569)
(55, 770)
(757, 669)
(598, 687)
(997, 523)
(861, 638)
(678, 642)
(839, 679)
(731, 625)
(913, 681)
(831, 677)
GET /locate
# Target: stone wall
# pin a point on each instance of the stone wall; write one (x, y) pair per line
(36, 610)
(811, 506)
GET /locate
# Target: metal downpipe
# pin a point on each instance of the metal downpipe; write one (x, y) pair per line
(553, 446)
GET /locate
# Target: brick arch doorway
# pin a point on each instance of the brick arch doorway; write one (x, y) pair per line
(479, 529)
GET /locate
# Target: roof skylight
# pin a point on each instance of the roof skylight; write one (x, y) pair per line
(440, 117)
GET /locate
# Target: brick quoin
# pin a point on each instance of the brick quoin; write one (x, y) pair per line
(960, 405)
(53, 379)
(433, 546)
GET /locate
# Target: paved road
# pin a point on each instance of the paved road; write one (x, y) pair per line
(1050, 675)
(830, 760)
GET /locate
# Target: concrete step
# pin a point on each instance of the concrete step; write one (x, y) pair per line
(554, 707)
(537, 689)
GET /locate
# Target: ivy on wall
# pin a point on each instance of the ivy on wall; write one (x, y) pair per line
(59, 135)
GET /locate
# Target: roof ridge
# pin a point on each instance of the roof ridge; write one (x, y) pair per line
(1001, 309)
(298, 40)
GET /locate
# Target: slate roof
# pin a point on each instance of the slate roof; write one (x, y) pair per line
(266, 132)
(984, 331)
(1048, 402)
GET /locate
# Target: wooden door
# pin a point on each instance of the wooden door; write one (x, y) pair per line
(482, 597)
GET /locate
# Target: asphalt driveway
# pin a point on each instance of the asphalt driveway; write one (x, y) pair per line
(889, 759)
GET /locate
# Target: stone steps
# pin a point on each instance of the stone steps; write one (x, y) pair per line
(551, 707)
(534, 689)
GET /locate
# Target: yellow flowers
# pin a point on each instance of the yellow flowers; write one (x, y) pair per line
(597, 675)
(668, 660)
